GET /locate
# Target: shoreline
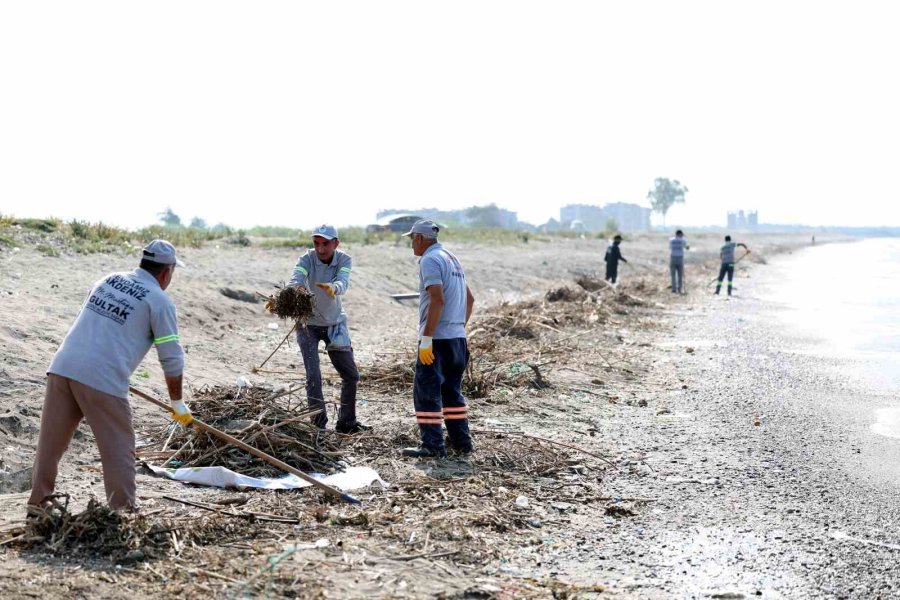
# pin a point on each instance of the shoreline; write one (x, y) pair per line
(763, 488)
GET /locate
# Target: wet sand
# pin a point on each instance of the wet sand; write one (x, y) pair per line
(767, 476)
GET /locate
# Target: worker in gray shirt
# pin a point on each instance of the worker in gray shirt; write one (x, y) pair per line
(124, 315)
(325, 271)
(445, 306)
(677, 246)
(726, 253)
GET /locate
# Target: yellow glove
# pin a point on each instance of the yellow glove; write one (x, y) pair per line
(181, 413)
(329, 288)
(426, 353)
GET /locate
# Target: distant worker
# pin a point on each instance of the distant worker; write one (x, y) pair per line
(727, 256)
(677, 246)
(325, 271)
(124, 315)
(612, 258)
(445, 305)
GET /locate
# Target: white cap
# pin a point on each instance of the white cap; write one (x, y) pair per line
(161, 252)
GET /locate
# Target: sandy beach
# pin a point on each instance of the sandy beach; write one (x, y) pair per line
(702, 454)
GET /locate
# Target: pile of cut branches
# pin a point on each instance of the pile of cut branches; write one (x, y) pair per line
(275, 422)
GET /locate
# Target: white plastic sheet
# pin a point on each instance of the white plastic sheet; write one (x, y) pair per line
(353, 478)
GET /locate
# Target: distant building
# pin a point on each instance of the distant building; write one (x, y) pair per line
(627, 216)
(740, 220)
(590, 217)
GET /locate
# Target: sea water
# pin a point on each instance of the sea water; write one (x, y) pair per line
(846, 296)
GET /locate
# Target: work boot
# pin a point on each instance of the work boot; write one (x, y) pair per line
(351, 428)
(424, 452)
(458, 450)
(717, 291)
(461, 450)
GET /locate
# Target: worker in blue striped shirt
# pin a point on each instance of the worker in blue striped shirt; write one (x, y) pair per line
(325, 272)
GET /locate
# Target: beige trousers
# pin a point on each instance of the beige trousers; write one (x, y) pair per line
(65, 404)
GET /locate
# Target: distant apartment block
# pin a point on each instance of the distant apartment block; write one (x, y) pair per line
(583, 216)
(741, 220)
(588, 217)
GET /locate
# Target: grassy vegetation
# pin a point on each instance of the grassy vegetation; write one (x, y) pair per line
(85, 237)
(47, 250)
(42, 225)
(301, 238)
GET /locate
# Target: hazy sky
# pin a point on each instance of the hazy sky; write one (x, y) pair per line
(297, 113)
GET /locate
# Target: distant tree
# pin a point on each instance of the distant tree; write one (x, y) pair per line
(168, 217)
(612, 225)
(198, 223)
(664, 194)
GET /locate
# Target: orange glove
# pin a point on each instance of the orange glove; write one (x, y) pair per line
(329, 289)
(426, 353)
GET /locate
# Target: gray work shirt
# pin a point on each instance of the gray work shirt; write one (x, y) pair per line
(677, 246)
(727, 253)
(124, 315)
(438, 266)
(310, 271)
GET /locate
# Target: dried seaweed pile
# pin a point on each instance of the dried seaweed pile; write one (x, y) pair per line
(97, 531)
(123, 537)
(508, 342)
(295, 303)
(277, 423)
(467, 499)
(394, 376)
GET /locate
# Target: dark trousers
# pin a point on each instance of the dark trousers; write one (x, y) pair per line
(437, 396)
(308, 339)
(612, 271)
(676, 270)
(726, 269)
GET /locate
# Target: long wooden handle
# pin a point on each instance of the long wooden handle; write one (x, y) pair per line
(257, 453)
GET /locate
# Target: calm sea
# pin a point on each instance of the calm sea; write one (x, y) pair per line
(847, 298)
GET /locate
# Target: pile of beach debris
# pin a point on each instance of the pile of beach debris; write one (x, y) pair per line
(121, 536)
(508, 343)
(276, 422)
